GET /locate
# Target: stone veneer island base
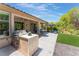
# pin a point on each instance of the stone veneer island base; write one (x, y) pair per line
(28, 44)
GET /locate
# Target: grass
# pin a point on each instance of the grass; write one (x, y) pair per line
(68, 39)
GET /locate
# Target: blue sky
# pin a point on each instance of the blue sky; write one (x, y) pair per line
(46, 11)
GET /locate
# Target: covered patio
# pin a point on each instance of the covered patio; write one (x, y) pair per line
(46, 47)
(19, 30)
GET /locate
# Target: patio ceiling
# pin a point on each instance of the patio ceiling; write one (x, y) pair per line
(20, 19)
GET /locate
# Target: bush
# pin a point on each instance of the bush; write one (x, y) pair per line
(71, 31)
(76, 32)
(49, 29)
(55, 28)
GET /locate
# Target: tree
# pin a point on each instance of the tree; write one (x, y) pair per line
(70, 20)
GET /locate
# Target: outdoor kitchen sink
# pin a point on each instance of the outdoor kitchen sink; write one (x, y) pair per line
(28, 44)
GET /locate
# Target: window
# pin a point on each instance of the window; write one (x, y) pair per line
(4, 23)
(19, 25)
(4, 16)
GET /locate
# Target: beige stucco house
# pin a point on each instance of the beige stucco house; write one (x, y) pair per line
(16, 15)
(16, 18)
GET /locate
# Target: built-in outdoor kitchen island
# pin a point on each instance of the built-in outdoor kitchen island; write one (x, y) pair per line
(26, 43)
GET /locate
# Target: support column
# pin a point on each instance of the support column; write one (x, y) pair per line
(11, 24)
(39, 27)
(27, 25)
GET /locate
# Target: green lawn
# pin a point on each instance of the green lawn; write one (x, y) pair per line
(68, 39)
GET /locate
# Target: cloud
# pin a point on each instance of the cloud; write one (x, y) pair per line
(26, 5)
(41, 7)
(54, 6)
(48, 11)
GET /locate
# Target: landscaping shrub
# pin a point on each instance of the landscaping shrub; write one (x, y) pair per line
(49, 29)
(55, 28)
(76, 32)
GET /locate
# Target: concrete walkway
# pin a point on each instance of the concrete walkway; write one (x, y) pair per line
(47, 44)
(66, 50)
(46, 47)
(9, 51)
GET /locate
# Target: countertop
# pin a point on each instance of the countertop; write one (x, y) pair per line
(28, 37)
(3, 36)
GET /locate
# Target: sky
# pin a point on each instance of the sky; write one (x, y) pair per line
(45, 11)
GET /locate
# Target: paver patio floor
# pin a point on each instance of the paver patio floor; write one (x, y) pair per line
(46, 47)
(66, 50)
(9, 51)
(47, 44)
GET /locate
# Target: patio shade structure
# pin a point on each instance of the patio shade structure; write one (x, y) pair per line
(30, 22)
(12, 19)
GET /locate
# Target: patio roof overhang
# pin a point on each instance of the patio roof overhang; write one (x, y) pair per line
(20, 13)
